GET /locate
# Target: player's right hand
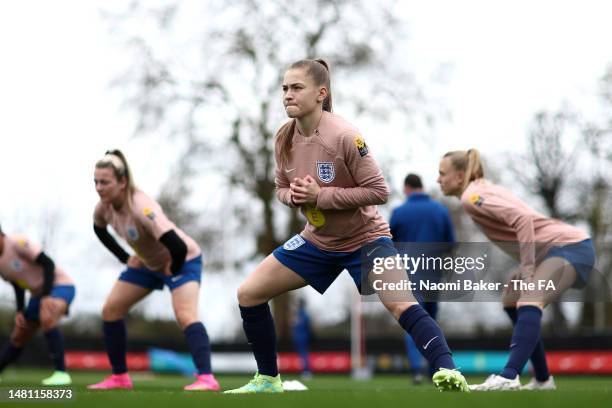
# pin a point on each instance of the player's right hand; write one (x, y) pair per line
(297, 190)
(134, 262)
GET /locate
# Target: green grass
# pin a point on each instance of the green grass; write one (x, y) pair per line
(154, 390)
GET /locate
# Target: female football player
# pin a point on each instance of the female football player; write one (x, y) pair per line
(26, 266)
(548, 250)
(325, 168)
(163, 255)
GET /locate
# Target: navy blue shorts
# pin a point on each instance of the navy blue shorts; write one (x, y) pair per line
(65, 292)
(582, 257)
(320, 268)
(146, 278)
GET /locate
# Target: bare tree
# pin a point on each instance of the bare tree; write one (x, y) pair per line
(597, 189)
(575, 185)
(546, 167)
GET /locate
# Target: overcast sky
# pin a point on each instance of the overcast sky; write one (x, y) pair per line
(58, 115)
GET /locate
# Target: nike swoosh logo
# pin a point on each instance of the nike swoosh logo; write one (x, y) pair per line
(372, 251)
(175, 278)
(289, 170)
(512, 345)
(429, 342)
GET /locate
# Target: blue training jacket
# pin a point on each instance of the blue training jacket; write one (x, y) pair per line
(421, 219)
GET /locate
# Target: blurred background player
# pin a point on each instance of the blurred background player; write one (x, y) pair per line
(164, 255)
(548, 250)
(421, 220)
(25, 266)
(324, 167)
(301, 335)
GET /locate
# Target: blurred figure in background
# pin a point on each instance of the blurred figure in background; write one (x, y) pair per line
(420, 220)
(301, 333)
(25, 266)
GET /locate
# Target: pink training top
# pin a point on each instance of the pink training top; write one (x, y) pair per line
(141, 223)
(503, 217)
(18, 265)
(336, 156)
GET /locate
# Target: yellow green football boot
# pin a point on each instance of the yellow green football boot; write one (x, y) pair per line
(450, 380)
(260, 384)
(58, 378)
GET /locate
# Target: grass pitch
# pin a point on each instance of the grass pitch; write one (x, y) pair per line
(157, 390)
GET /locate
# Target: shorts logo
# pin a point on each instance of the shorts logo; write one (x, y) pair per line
(326, 172)
(148, 213)
(372, 251)
(476, 200)
(17, 265)
(132, 233)
(294, 243)
(361, 145)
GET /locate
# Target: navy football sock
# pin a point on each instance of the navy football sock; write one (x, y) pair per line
(538, 357)
(9, 355)
(428, 337)
(199, 346)
(115, 339)
(525, 337)
(539, 363)
(55, 343)
(260, 332)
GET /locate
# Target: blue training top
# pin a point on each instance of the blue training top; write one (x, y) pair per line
(421, 219)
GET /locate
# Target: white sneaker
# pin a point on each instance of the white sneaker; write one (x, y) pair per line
(496, 382)
(540, 385)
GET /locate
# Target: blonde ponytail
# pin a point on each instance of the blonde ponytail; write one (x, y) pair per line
(284, 141)
(469, 162)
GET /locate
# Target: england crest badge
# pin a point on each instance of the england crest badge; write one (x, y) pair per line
(132, 233)
(17, 265)
(326, 172)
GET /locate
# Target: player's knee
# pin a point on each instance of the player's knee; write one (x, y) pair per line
(243, 295)
(20, 336)
(17, 339)
(248, 297)
(47, 323)
(186, 318)
(509, 298)
(397, 308)
(530, 303)
(112, 312)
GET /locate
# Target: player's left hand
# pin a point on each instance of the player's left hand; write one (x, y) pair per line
(20, 321)
(304, 190)
(46, 304)
(167, 271)
(509, 295)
